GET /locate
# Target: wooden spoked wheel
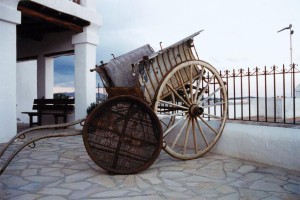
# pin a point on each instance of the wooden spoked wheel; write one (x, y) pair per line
(123, 135)
(200, 109)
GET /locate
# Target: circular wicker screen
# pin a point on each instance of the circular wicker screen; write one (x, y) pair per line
(123, 135)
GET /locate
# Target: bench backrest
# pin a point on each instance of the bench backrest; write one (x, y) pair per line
(64, 105)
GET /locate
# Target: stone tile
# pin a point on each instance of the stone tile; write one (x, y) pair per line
(192, 179)
(17, 167)
(42, 179)
(266, 186)
(75, 186)
(151, 178)
(274, 180)
(110, 194)
(29, 172)
(214, 165)
(15, 182)
(177, 195)
(203, 186)
(245, 169)
(73, 175)
(26, 197)
(54, 197)
(57, 173)
(56, 191)
(141, 183)
(252, 194)
(250, 177)
(239, 183)
(148, 197)
(81, 176)
(233, 175)
(48, 169)
(104, 180)
(271, 170)
(129, 181)
(288, 196)
(225, 189)
(230, 166)
(172, 175)
(212, 173)
(234, 196)
(170, 182)
(85, 194)
(293, 188)
(272, 198)
(68, 171)
(79, 166)
(33, 187)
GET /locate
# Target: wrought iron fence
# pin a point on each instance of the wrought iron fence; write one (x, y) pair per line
(258, 94)
(264, 95)
(101, 94)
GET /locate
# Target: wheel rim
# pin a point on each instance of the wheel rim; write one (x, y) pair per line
(123, 135)
(200, 114)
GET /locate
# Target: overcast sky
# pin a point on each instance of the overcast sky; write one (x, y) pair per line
(236, 33)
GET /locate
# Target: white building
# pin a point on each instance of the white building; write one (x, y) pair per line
(37, 31)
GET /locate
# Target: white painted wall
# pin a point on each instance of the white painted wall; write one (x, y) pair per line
(26, 88)
(85, 56)
(85, 43)
(264, 144)
(9, 17)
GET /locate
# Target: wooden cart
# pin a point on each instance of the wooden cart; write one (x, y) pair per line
(168, 100)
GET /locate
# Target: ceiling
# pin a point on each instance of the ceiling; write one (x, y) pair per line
(38, 20)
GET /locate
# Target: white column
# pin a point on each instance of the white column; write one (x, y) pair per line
(9, 17)
(85, 81)
(45, 76)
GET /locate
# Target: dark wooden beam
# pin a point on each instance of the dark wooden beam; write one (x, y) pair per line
(61, 53)
(59, 22)
(27, 58)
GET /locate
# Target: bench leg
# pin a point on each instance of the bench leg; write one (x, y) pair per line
(56, 119)
(30, 121)
(39, 120)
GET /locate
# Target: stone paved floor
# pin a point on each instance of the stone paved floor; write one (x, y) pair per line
(59, 168)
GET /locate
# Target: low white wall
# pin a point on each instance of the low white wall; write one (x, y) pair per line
(264, 144)
(289, 107)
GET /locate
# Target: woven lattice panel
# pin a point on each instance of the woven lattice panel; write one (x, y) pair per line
(123, 135)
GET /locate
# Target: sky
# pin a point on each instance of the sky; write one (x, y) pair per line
(237, 33)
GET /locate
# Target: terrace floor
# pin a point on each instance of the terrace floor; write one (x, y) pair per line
(60, 168)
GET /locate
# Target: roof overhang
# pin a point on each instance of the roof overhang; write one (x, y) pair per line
(38, 20)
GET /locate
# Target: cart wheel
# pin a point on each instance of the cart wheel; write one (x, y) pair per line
(200, 109)
(123, 135)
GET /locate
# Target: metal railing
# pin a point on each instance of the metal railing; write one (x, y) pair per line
(260, 95)
(101, 94)
(264, 95)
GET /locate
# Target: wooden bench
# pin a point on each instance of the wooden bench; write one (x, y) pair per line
(55, 107)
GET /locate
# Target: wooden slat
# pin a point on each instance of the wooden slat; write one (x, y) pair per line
(68, 25)
(53, 107)
(54, 101)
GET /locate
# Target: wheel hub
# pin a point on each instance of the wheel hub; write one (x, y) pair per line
(195, 110)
